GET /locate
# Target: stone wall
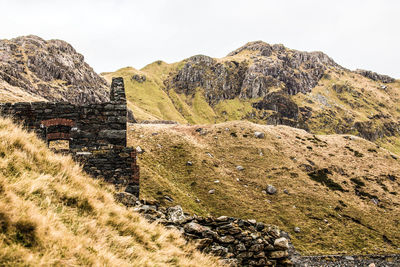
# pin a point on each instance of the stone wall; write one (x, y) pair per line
(96, 133)
(237, 242)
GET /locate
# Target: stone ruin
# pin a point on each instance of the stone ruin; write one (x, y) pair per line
(95, 134)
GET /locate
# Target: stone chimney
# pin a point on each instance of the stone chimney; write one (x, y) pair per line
(117, 94)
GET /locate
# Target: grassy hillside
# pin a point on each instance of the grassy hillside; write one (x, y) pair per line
(341, 190)
(146, 99)
(149, 101)
(341, 102)
(52, 214)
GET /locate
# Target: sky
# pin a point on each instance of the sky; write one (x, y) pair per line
(118, 33)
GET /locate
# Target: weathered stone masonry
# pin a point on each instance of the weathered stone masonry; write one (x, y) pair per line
(96, 134)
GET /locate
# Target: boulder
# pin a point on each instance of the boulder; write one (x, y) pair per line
(271, 189)
(239, 168)
(259, 135)
(175, 214)
(281, 243)
(195, 228)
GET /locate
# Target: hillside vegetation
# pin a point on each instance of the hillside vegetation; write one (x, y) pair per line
(341, 190)
(52, 214)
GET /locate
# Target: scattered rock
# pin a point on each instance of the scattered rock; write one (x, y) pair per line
(212, 191)
(168, 198)
(375, 201)
(259, 135)
(139, 150)
(189, 163)
(297, 229)
(285, 191)
(239, 168)
(139, 78)
(271, 189)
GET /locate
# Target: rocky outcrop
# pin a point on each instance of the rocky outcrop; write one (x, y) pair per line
(268, 66)
(219, 80)
(52, 70)
(375, 76)
(238, 242)
(279, 103)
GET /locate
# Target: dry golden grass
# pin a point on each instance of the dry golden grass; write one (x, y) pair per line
(14, 94)
(332, 218)
(52, 214)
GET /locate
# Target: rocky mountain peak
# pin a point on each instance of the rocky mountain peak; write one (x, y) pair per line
(252, 75)
(51, 69)
(263, 47)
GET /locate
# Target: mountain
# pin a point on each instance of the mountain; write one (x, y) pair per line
(312, 174)
(52, 214)
(342, 191)
(32, 69)
(268, 84)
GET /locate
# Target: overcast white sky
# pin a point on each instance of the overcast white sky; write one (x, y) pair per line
(117, 33)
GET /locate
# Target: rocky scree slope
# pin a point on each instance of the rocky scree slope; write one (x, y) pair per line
(33, 69)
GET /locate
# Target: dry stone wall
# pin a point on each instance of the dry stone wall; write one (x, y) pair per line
(236, 241)
(96, 133)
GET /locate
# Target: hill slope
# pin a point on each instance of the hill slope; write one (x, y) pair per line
(51, 214)
(268, 84)
(341, 190)
(32, 69)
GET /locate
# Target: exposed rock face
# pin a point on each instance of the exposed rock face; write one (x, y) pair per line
(269, 66)
(52, 70)
(220, 80)
(280, 103)
(375, 76)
